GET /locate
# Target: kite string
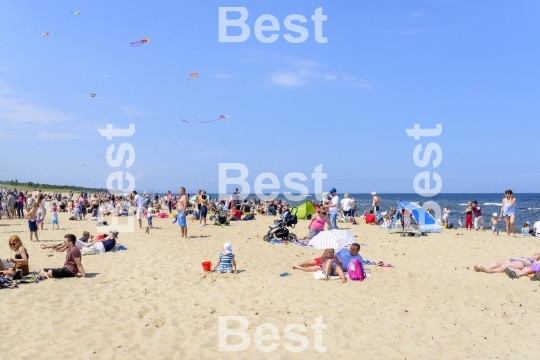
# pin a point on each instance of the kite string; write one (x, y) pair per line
(232, 130)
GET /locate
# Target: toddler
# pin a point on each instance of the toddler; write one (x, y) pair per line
(149, 218)
(226, 262)
(32, 221)
(54, 214)
(494, 222)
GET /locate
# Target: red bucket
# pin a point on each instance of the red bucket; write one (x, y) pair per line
(207, 265)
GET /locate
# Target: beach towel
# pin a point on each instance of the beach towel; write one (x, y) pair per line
(319, 275)
(28, 279)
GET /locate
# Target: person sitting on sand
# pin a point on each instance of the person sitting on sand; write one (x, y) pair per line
(105, 244)
(370, 218)
(342, 259)
(20, 260)
(226, 262)
(333, 267)
(315, 264)
(72, 265)
(514, 263)
(317, 223)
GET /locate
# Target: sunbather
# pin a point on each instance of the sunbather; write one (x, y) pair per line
(21, 257)
(315, 264)
(105, 244)
(532, 269)
(514, 263)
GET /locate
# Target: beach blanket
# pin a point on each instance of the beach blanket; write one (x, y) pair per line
(28, 279)
(318, 275)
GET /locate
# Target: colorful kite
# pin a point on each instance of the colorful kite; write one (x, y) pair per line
(221, 117)
(92, 95)
(76, 12)
(106, 76)
(194, 75)
(139, 42)
(44, 34)
(102, 155)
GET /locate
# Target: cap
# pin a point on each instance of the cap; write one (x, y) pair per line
(332, 190)
(228, 248)
(114, 232)
(526, 222)
(374, 193)
(494, 214)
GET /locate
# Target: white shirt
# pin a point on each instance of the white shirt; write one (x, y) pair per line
(537, 227)
(139, 201)
(334, 210)
(346, 204)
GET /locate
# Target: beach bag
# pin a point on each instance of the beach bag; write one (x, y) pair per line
(356, 270)
(88, 251)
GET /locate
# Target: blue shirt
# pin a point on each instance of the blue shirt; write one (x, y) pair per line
(345, 257)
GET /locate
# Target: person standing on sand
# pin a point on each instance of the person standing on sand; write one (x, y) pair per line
(332, 207)
(140, 207)
(468, 216)
(375, 202)
(32, 221)
(508, 210)
(169, 201)
(181, 208)
(478, 219)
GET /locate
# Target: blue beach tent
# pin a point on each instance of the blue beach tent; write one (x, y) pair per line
(419, 217)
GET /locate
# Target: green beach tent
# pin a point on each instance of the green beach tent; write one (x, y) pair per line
(303, 210)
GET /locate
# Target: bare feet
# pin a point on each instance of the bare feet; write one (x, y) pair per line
(478, 269)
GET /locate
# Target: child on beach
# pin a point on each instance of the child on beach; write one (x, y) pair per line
(226, 262)
(460, 223)
(149, 218)
(54, 215)
(494, 223)
(32, 221)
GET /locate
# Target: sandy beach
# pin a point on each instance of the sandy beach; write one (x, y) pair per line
(153, 301)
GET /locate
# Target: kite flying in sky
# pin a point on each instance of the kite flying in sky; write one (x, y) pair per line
(221, 117)
(139, 42)
(194, 75)
(102, 155)
(92, 95)
(76, 12)
(44, 34)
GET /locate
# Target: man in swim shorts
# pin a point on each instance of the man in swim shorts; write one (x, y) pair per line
(375, 202)
(181, 208)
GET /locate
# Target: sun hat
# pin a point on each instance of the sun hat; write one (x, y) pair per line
(227, 247)
(332, 190)
(494, 214)
(526, 222)
(373, 193)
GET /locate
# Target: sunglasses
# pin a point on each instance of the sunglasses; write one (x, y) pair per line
(13, 244)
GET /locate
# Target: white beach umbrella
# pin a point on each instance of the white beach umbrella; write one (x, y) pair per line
(332, 239)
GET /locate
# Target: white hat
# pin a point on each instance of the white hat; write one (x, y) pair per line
(228, 248)
(526, 222)
(374, 193)
(494, 214)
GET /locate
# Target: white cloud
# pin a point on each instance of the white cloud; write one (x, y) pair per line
(363, 84)
(20, 110)
(286, 79)
(132, 112)
(57, 136)
(329, 77)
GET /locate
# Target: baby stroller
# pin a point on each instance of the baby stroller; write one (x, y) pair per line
(279, 229)
(220, 218)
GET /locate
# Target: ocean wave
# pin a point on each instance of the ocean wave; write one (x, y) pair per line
(533, 208)
(492, 204)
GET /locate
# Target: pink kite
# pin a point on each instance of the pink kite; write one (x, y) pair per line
(44, 34)
(221, 117)
(139, 42)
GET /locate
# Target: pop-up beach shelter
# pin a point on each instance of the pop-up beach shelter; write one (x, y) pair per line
(419, 218)
(303, 210)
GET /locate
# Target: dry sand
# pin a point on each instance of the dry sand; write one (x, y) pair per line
(154, 302)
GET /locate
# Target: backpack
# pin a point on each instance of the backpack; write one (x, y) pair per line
(356, 270)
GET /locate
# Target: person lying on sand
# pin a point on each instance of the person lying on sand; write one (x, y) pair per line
(531, 269)
(226, 262)
(315, 264)
(514, 263)
(105, 244)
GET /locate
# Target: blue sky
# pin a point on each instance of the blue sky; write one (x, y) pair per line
(345, 104)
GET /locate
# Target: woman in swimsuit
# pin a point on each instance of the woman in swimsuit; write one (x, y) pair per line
(21, 257)
(315, 264)
(514, 263)
(508, 210)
